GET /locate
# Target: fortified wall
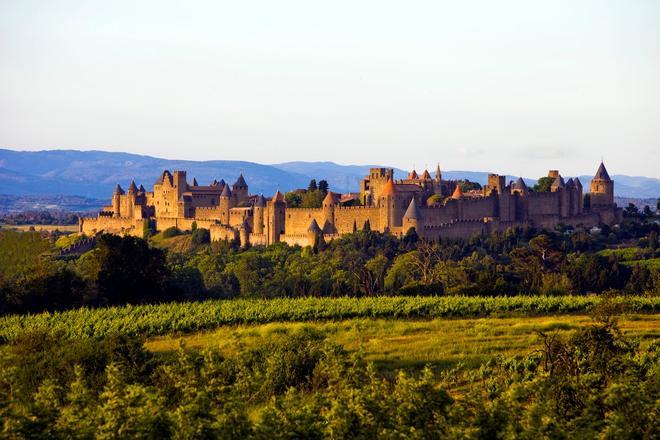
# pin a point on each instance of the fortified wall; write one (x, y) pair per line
(435, 208)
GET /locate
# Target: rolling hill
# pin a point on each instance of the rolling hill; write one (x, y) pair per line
(94, 174)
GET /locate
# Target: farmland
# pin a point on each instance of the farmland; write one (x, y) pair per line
(163, 319)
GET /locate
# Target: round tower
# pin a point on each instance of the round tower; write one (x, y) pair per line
(224, 205)
(258, 215)
(132, 198)
(313, 232)
(116, 201)
(244, 234)
(412, 218)
(387, 205)
(602, 188)
(331, 199)
(276, 217)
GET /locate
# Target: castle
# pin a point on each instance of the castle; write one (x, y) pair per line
(434, 207)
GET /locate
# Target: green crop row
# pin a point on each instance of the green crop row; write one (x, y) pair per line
(168, 318)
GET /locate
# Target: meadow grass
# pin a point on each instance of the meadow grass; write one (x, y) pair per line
(392, 344)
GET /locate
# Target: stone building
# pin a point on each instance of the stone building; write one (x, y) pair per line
(434, 207)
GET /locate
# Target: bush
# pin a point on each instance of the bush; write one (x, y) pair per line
(171, 232)
(201, 236)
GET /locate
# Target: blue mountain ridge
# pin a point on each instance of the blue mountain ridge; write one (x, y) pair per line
(95, 173)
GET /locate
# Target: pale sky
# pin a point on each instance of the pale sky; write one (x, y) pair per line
(515, 87)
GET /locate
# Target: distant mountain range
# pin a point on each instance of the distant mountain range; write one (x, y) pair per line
(94, 174)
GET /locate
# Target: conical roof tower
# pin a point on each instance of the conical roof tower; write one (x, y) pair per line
(412, 212)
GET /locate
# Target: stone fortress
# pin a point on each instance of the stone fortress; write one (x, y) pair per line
(434, 207)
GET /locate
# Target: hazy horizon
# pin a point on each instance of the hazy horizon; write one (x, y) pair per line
(511, 87)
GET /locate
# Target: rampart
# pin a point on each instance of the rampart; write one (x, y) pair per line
(347, 216)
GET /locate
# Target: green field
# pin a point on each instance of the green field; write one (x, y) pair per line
(407, 344)
(185, 317)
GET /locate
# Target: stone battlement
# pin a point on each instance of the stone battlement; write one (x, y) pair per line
(388, 204)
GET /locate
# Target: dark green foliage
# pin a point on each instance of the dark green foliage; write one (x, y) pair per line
(524, 261)
(129, 271)
(323, 186)
(543, 184)
(170, 232)
(593, 384)
(312, 199)
(293, 199)
(200, 236)
(467, 185)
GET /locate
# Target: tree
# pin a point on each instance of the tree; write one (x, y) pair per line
(467, 185)
(312, 185)
(200, 236)
(543, 184)
(367, 226)
(312, 199)
(129, 270)
(293, 200)
(323, 186)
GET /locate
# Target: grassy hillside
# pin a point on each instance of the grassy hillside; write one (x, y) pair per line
(406, 344)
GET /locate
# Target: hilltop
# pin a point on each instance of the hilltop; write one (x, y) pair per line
(94, 174)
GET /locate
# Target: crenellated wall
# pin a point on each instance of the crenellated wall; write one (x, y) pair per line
(222, 232)
(114, 225)
(297, 220)
(541, 204)
(346, 216)
(174, 203)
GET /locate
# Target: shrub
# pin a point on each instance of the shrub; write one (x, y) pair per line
(171, 232)
(201, 236)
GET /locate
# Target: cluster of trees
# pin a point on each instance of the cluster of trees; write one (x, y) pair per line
(312, 197)
(365, 263)
(40, 218)
(593, 384)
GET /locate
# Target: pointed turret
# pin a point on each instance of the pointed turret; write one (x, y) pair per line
(558, 183)
(195, 182)
(278, 197)
(226, 192)
(601, 189)
(577, 183)
(118, 190)
(413, 175)
(438, 173)
(331, 199)
(602, 173)
(412, 213)
(166, 175)
(426, 175)
(132, 188)
(389, 188)
(240, 182)
(260, 202)
(570, 183)
(141, 189)
(314, 227)
(458, 193)
(520, 184)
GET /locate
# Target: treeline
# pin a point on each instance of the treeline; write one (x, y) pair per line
(43, 217)
(128, 270)
(593, 384)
